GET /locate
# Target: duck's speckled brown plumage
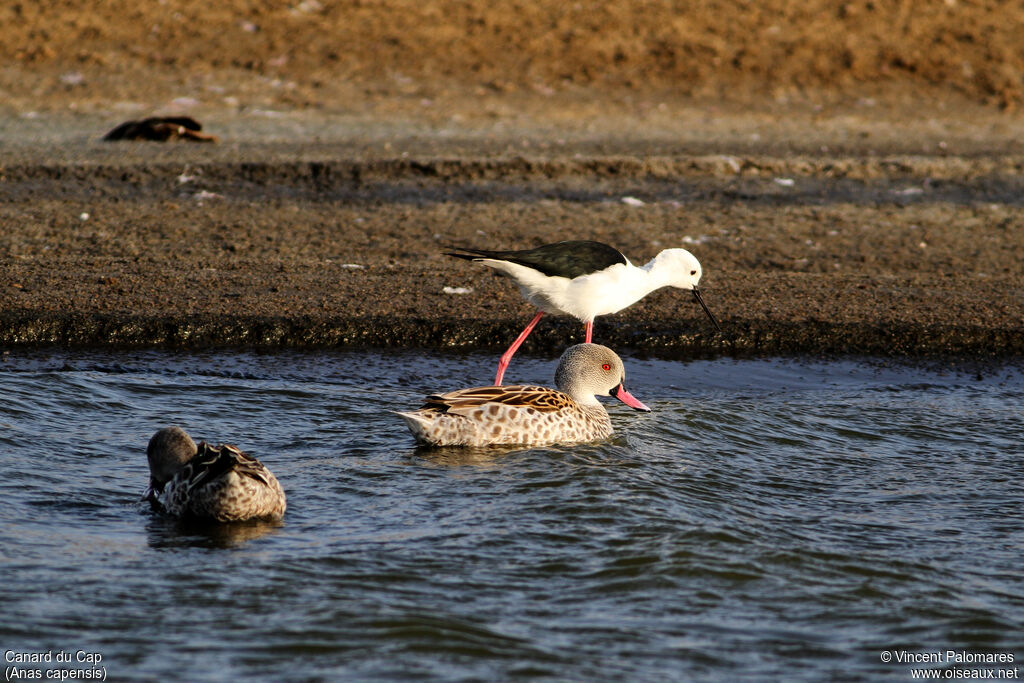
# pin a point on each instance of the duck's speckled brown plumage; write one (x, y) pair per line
(506, 415)
(218, 483)
(527, 415)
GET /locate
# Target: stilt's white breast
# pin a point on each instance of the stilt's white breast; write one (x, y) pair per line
(584, 297)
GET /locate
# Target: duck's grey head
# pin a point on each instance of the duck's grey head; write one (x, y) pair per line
(168, 450)
(589, 370)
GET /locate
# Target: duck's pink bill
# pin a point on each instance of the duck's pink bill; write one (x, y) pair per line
(620, 393)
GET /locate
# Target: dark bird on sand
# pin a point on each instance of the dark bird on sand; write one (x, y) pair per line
(161, 129)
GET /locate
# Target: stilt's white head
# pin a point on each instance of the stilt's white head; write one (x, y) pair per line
(678, 268)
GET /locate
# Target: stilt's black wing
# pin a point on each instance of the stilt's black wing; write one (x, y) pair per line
(563, 259)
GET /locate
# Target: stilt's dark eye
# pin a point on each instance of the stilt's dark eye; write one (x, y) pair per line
(606, 367)
(693, 272)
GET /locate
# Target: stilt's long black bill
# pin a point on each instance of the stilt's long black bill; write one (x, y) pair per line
(700, 300)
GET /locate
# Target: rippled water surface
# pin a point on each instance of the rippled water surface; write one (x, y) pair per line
(774, 519)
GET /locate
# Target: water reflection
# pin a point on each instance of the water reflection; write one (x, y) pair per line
(453, 456)
(164, 532)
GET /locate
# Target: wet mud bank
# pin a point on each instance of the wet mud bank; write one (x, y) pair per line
(906, 256)
(28, 329)
(899, 178)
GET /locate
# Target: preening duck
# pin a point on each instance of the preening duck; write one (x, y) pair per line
(212, 483)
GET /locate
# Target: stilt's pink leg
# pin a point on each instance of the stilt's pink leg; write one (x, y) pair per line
(589, 327)
(507, 356)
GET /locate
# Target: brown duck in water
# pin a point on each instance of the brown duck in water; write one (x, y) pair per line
(211, 483)
(529, 415)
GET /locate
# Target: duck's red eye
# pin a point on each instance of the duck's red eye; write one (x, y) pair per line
(606, 367)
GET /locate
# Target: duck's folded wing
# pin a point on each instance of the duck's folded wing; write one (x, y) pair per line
(465, 400)
(248, 466)
(212, 462)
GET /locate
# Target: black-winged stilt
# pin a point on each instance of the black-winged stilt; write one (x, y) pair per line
(585, 279)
